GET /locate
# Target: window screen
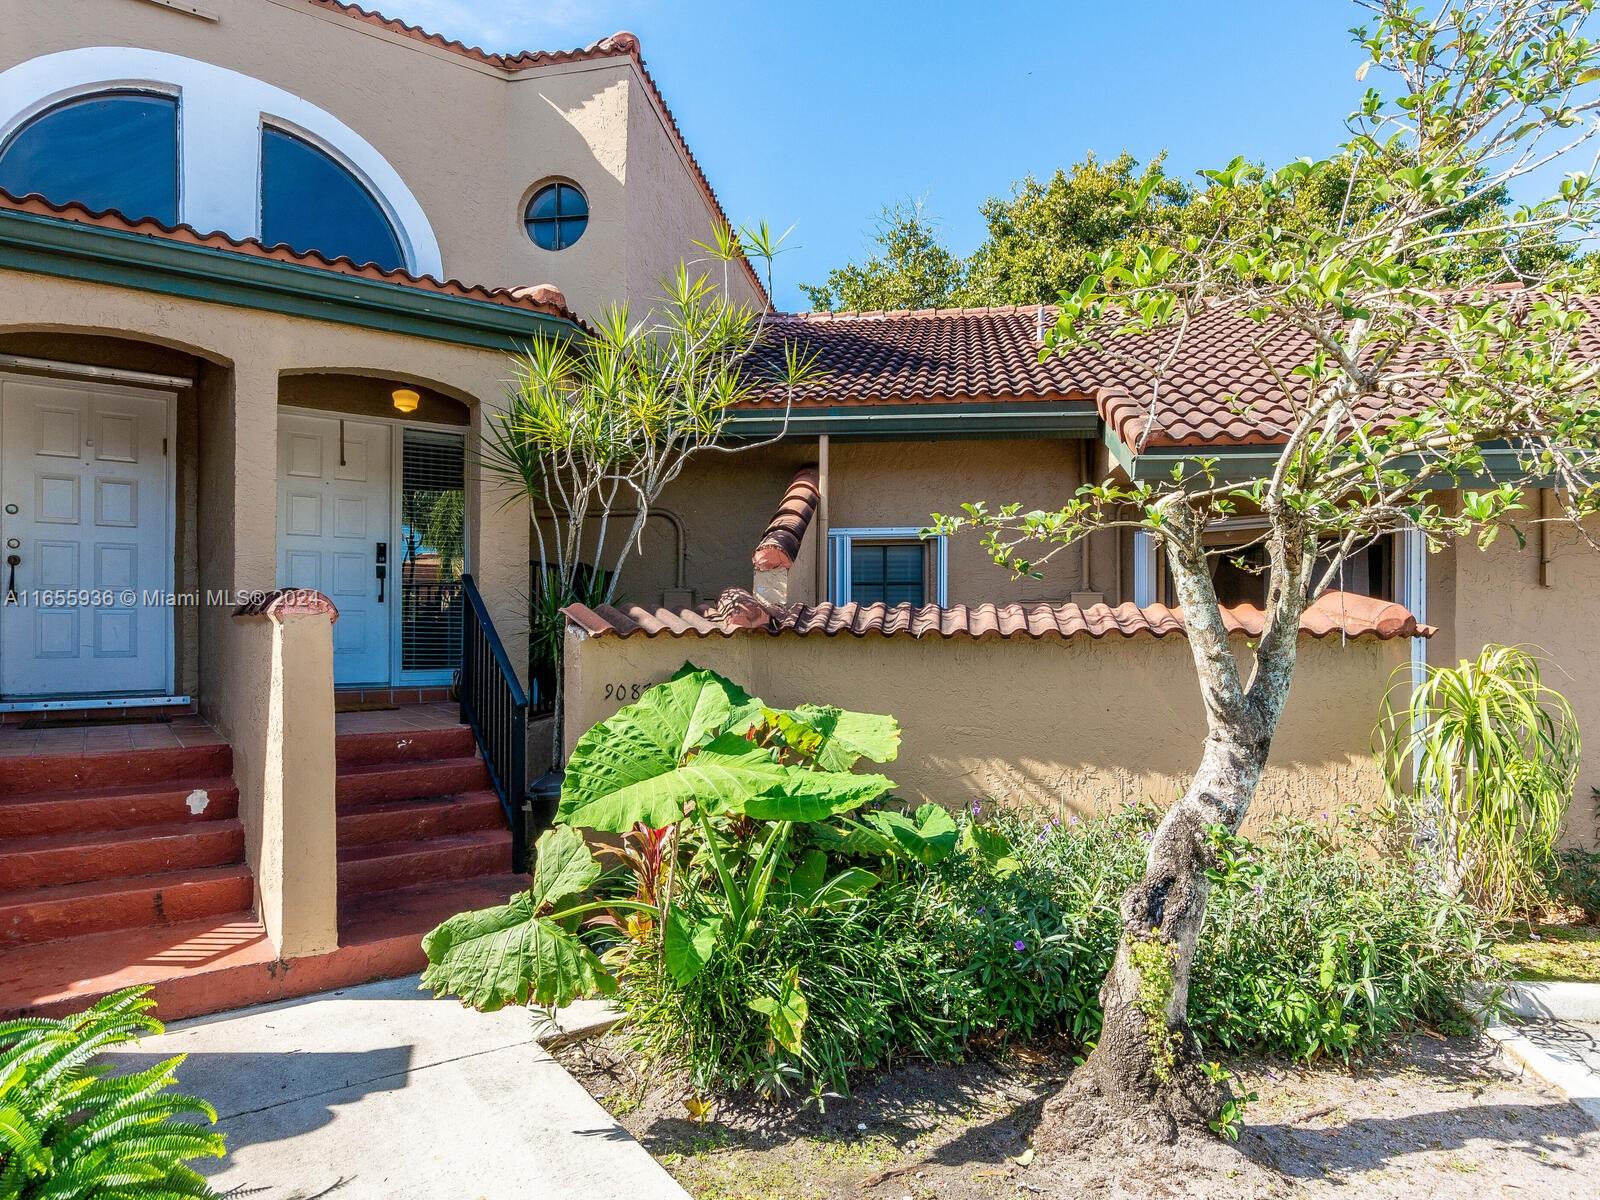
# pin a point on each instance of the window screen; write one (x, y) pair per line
(117, 150)
(311, 202)
(433, 527)
(887, 573)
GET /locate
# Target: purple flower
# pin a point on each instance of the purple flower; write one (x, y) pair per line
(976, 808)
(982, 908)
(1019, 945)
(1073, 819)
(1258, 889)
(1148, 837)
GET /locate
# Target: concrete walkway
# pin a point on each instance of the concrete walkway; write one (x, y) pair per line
(380, 1092)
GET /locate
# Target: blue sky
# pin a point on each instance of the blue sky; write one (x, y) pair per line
(818, 114)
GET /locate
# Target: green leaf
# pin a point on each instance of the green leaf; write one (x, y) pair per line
(991, 845)
(689, 944)
(625, 769)
(563, 866)
(617, 791)
(808, 875)
(843, 737)
(929, 836)
(503, 955)
(786, 1013)
(850, 884)
(803, 795)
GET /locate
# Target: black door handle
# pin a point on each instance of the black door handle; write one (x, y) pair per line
(382, 559)
(12, 561)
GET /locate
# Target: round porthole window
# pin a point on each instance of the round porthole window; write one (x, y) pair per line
(557, 216)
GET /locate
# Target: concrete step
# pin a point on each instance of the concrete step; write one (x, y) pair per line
(384, 866)
(80, 856)
(30, 774)
(411, 820)
(373, 783)
(120, 807)
(225, 961)
(74, 909)
(413, 745)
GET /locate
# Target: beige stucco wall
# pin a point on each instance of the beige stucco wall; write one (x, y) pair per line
(1051, 726)
(1495, 595)
(725, 501)
(471, 141)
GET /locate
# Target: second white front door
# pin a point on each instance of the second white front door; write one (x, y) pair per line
(334, 530)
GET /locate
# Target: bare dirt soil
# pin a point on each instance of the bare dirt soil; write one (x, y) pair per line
(1435, 1118)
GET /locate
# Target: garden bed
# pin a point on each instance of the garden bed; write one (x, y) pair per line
(1436, 1117)
(1551, 953)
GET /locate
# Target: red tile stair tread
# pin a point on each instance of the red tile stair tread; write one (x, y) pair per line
(439, 844)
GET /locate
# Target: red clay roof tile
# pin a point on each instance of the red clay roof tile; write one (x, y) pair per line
(544, 298)
(787, 529)
(736, 611)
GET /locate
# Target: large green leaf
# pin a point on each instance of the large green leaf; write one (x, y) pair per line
(786, 1012)
(842, 737)
(563, 866)
(689, 944)
(721, 777)
(802, 795)
(503, 955)
(649, 760)
(928, 837)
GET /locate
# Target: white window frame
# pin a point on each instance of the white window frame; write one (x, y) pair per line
(839, 543)
(220, 117)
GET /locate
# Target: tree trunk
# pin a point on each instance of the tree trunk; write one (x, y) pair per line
(1143, 1083)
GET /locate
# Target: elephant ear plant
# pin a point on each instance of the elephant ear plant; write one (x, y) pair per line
(708, 785)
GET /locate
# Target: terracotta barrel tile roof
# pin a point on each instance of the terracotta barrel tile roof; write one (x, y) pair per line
(543, 298)
(737, 611)
(927, 354)
(786, 532)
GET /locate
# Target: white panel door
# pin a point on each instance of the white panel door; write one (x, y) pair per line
(84, 498)
(333, 514)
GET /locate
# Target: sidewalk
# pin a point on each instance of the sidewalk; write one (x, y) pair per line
(377, 1092)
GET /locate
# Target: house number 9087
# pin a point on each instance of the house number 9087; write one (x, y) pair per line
(625, 691)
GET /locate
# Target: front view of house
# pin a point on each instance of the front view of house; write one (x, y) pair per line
(263, 266)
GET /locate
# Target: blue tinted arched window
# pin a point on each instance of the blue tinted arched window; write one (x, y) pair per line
(116, 150)
(311, 202)
(557, 216)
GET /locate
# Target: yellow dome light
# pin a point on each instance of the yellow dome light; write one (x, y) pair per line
(405, 399)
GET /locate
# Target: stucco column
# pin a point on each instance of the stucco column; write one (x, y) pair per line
(283, 762)
(498, 526)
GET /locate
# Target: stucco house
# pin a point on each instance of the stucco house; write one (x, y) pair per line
(261, 266)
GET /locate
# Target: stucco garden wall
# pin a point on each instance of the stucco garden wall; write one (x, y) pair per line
(1059, 727)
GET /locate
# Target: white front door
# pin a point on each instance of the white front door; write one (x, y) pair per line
(85, 541)
(333, 527)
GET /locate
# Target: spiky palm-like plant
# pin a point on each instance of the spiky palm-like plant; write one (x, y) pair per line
(72, 1130)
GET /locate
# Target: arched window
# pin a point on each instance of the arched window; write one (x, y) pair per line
(116, 150)
(310, 201)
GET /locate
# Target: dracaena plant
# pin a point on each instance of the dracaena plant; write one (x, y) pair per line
(708, 785)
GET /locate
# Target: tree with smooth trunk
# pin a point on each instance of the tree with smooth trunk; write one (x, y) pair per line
(1427, 368)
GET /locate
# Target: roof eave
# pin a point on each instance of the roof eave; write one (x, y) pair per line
(93, 254)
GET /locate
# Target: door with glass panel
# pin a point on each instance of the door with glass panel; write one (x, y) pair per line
(431, 553)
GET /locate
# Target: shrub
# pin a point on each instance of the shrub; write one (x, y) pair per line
(1577, 881)
(70, 1130)
(1494, 755)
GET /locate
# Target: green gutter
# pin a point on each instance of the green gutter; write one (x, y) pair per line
(1048, 419)
(92, 254)
(1257, 462)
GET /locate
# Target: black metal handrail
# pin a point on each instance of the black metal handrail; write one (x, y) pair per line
(495, 706)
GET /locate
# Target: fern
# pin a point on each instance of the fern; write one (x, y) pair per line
(71, 1130)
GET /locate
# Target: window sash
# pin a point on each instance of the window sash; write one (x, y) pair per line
(935, 572)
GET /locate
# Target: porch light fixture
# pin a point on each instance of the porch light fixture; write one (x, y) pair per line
(405, 399)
